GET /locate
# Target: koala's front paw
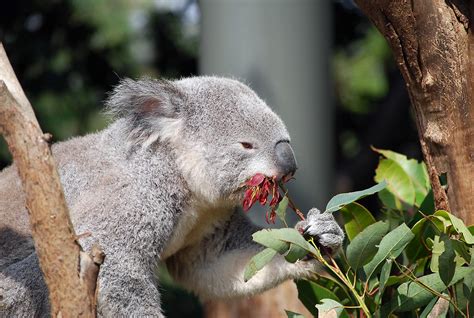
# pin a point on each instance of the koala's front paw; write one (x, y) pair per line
(324, 228)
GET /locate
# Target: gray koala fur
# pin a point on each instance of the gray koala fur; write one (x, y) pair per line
(160, 184)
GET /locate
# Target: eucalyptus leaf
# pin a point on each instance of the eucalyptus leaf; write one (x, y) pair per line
(427, 311)
(266, 238)
(291, 314)
(311, 293)
(415, 170)
(281, 209)
(295, 253)
(280, 239)
(384, 275)
(436, 251)
(446, 261)
(364, 246)
(461, 228)
(258, 262)
(329, 306)
(398, 181)
(340, 200)
(412, 295)
(356, 219)
(390, 247)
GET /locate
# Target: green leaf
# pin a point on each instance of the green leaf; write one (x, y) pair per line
(436, 251)
(295, 253)
(446, 261)
(390, 247)
(364, 246)
(328, 306)
(462, 250)
(311, 293)
(384, 275)
(291, 314)
(356, 219)
(469, 278)
(281, 209)
(258, 262)
(428, 308)
(279, 239)
(459, 226)
(415, 170)
(412, 295)
(265, 238)
(423, 229)
(398, 181)
(340, 200)
(428, 206)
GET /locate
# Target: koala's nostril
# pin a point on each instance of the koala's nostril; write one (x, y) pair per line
(285, 158)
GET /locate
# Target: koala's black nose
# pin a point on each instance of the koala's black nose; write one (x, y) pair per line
(285, 158)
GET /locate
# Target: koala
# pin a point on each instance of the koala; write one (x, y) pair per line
(161, 184)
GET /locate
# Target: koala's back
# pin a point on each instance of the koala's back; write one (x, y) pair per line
(15, 237)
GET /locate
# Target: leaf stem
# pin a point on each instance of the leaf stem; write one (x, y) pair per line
(291, 203)
(337, 271)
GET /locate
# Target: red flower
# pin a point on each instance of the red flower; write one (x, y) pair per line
(259, 188)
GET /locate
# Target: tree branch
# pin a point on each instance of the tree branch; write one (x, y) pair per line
(70, 274)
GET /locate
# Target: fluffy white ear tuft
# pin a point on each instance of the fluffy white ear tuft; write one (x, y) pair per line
(150, 107)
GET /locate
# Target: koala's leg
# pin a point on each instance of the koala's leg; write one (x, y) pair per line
(127, 287)
(23, 292)
(215, 267)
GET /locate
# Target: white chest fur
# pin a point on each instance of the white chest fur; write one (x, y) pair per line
(196, 223)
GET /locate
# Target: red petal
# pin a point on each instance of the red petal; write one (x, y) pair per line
(256, 180)
(270, 217)
(273, 216)
(246, 205)
(276, 197)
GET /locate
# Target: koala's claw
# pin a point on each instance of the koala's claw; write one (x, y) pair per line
(324, 228)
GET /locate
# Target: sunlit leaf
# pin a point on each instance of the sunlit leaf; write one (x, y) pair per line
(329, 307)
(415, 170)
(356, 219)
(436, 251)
(458, 225)
(342, 199)
(398, 181)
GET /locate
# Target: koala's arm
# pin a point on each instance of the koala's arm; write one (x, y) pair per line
(127, 287)
(215, 267)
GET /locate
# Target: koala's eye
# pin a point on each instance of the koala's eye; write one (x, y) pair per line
(246, 145)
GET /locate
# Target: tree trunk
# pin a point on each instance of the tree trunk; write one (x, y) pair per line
(70, 274)
(433, 46)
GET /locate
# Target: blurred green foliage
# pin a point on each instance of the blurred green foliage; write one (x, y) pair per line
(360, 71)
(68, 54)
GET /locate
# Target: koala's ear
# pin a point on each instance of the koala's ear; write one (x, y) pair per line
(151, 109)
